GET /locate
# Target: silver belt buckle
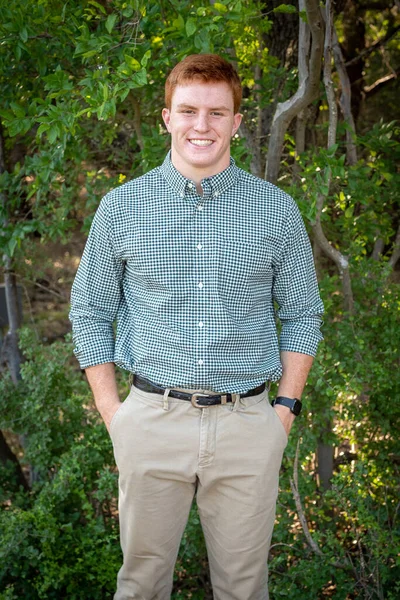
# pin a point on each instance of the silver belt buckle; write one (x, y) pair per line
(200, 395)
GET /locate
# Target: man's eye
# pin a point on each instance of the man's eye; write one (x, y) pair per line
(216, 114)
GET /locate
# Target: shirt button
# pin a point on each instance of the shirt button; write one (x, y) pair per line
(201, 285)
(201, 324)
(200, 362)
(216, 194)
(190, 185)
(182, 195)
(200, 207)
(199, 247)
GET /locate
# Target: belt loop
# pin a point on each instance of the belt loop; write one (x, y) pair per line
(165, 399)
(236, 397)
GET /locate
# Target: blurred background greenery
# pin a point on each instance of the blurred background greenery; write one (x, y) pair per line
(81, 95)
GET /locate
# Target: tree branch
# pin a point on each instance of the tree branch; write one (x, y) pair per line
(375, 87)
(389, 35)
(345, 101)
(337, 257)
(302, 518)
(307, 91)
(304, 48)
(328, 83)
(137, 119)
(378, 249)
(396, 250)
(10, 353)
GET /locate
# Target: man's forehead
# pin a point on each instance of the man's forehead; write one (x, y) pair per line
(216, 94)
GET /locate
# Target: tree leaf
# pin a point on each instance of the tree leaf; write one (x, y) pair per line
(191, 27)
(23, 34)
(285, 8)
(132, 63)
(145, 58)
(52, 134)
(348, 213)
(99, 6)
(140, 78)
(18, 110)
(178, 23)
(303, 16)
(11, 246)
(220, 7)
(111, 22)
(42, 128)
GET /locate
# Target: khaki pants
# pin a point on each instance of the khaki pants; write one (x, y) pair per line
(230, 455)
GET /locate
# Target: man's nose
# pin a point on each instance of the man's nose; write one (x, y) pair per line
(201, 123)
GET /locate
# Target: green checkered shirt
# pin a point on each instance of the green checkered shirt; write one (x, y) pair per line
(195, 283)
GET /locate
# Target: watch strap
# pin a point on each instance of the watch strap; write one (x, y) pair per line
(293, 403)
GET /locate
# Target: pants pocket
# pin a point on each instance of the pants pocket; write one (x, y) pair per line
(119, 412)
(279, 423)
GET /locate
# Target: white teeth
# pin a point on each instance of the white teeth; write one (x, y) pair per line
(201, 142)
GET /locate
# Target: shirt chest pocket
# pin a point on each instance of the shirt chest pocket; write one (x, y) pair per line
(244, 273)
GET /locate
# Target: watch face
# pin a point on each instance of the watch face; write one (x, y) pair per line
(296, 407)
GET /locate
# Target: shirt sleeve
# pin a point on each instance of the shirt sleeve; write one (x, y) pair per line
(295, 289)
(96, 294)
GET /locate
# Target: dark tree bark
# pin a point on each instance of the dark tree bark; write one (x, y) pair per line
(7, 455)
(10, 353)
(354, 45)
(282, 43)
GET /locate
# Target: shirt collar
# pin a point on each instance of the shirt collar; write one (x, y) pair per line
(216, 183)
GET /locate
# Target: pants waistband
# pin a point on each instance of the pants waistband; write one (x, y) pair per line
(199, 398)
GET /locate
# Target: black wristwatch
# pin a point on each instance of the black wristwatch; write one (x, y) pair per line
(293, 403)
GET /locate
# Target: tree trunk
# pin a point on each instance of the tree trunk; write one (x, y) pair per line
(308, 89)
(325, 455)
(325, 451)
(345, 102)
(353, 46)
(10, 353)
(7, 455)
(282, 43)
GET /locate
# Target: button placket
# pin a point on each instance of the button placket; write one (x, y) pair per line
(199, 277)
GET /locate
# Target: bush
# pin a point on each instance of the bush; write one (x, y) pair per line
(60, 539)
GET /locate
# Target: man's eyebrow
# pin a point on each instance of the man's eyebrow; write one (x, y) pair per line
(219, 108)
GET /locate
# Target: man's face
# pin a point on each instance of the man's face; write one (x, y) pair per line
(201, 122)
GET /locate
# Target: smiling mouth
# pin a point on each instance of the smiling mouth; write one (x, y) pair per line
(202, 143)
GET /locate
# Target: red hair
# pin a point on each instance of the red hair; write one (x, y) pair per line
(205, 68)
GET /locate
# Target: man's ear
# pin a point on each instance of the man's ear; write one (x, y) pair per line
(237, 119)
(166, 115)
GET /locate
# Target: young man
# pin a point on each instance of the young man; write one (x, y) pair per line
(189, 260)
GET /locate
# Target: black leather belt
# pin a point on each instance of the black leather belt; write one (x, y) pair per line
(198, 399)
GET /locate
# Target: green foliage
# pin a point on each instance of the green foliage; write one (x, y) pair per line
(355, 382)
(354, 525)
(82, 90)
(78, 89)
(61, 540)
(361, 199)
